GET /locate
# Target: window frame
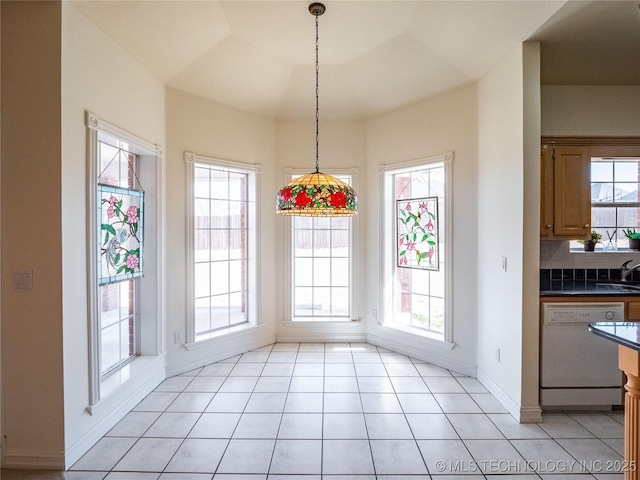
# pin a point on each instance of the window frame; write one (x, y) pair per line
(150, 307)
(388, 243)
(253, 297)
(289, 174)
(616, 205)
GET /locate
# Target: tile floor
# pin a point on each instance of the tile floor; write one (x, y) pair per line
(313, 411)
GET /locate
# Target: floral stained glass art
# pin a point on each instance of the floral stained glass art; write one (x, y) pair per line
(120, 233)
(417, 233)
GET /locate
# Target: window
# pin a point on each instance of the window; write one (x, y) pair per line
(222, 267)
(416, 246)
(322, 266)
(615, 200)
(118, 296)
(124, 304)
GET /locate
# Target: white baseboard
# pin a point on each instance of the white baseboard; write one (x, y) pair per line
(418, 351)
(521, 414)
(224, 347)
(314, 337)
(115, 406)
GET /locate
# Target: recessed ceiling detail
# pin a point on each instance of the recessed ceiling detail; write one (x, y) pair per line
(377, 56)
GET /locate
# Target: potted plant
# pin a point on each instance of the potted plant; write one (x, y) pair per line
(634, 238)
(590, 243)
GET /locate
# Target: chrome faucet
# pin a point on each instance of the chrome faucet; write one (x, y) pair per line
(625, 272)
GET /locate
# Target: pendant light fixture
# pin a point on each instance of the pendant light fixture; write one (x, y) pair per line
(317, 194)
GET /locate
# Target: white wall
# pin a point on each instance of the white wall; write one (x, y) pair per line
(500, 212)
(97, 75)
(342, 145)
(440, 124)
(213, 130)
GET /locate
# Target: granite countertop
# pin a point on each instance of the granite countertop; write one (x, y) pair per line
(622, 333)
(585, 282)
(591, 289)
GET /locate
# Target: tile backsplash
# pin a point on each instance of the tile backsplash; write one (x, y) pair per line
(561, 269)
(555, 254)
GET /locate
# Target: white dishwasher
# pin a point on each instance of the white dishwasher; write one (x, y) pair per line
(577, 368)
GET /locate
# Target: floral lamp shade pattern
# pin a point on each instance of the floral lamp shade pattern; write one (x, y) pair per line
(120, 232)
(417, 233)
(315, 195)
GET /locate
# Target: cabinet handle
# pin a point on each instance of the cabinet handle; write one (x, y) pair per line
(548, 227)
(586, 225)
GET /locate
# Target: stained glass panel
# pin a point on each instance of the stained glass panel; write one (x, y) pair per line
(417, 233)
(120, 231)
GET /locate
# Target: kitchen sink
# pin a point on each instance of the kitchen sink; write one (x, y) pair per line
(618, 286)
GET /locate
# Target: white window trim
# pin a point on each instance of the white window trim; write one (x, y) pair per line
(387, 224)
(151, 344)
(254, 284)
(353, 284)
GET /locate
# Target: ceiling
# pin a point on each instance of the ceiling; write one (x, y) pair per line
(375, 56)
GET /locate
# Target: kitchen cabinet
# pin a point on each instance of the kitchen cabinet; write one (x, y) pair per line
(565, 197)
(633, 311)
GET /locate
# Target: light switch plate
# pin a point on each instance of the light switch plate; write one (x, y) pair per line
(23, 278)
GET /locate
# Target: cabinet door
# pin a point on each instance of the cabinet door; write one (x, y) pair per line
(572, 192)
(633, 312)
(546, 192)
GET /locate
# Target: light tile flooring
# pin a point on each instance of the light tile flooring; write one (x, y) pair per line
(315, 411)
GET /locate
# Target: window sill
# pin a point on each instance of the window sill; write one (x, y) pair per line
(319, 320)
(625, 251)
(431, 338)
(215, 336)
(137, 372)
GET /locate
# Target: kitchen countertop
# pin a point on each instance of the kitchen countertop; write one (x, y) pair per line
(597, 289)
(622, 333)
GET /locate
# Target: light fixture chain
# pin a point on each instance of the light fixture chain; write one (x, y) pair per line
(317, 102)
(315, 194)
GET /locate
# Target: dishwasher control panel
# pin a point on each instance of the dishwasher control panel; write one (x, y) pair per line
(578, 312)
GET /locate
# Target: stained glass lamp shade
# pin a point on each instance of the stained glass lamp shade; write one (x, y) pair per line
(317, 194)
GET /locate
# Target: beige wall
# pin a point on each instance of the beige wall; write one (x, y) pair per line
(481, 124)
(500, 229)
(213, 130)
(342, 145)
(605, 110)
(97, 75)
(31, 235)
(447, 122)
(529, 405)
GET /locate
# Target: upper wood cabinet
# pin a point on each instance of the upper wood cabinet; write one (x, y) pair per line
(565, 199)
(546, 192)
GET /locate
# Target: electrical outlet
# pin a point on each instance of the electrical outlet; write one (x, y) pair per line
(504, 264)
(178, 337)
(498, 355)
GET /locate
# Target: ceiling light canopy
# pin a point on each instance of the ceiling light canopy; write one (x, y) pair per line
(317, 194)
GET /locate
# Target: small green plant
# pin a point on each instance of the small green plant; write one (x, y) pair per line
(631, 234)
(596, 237)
